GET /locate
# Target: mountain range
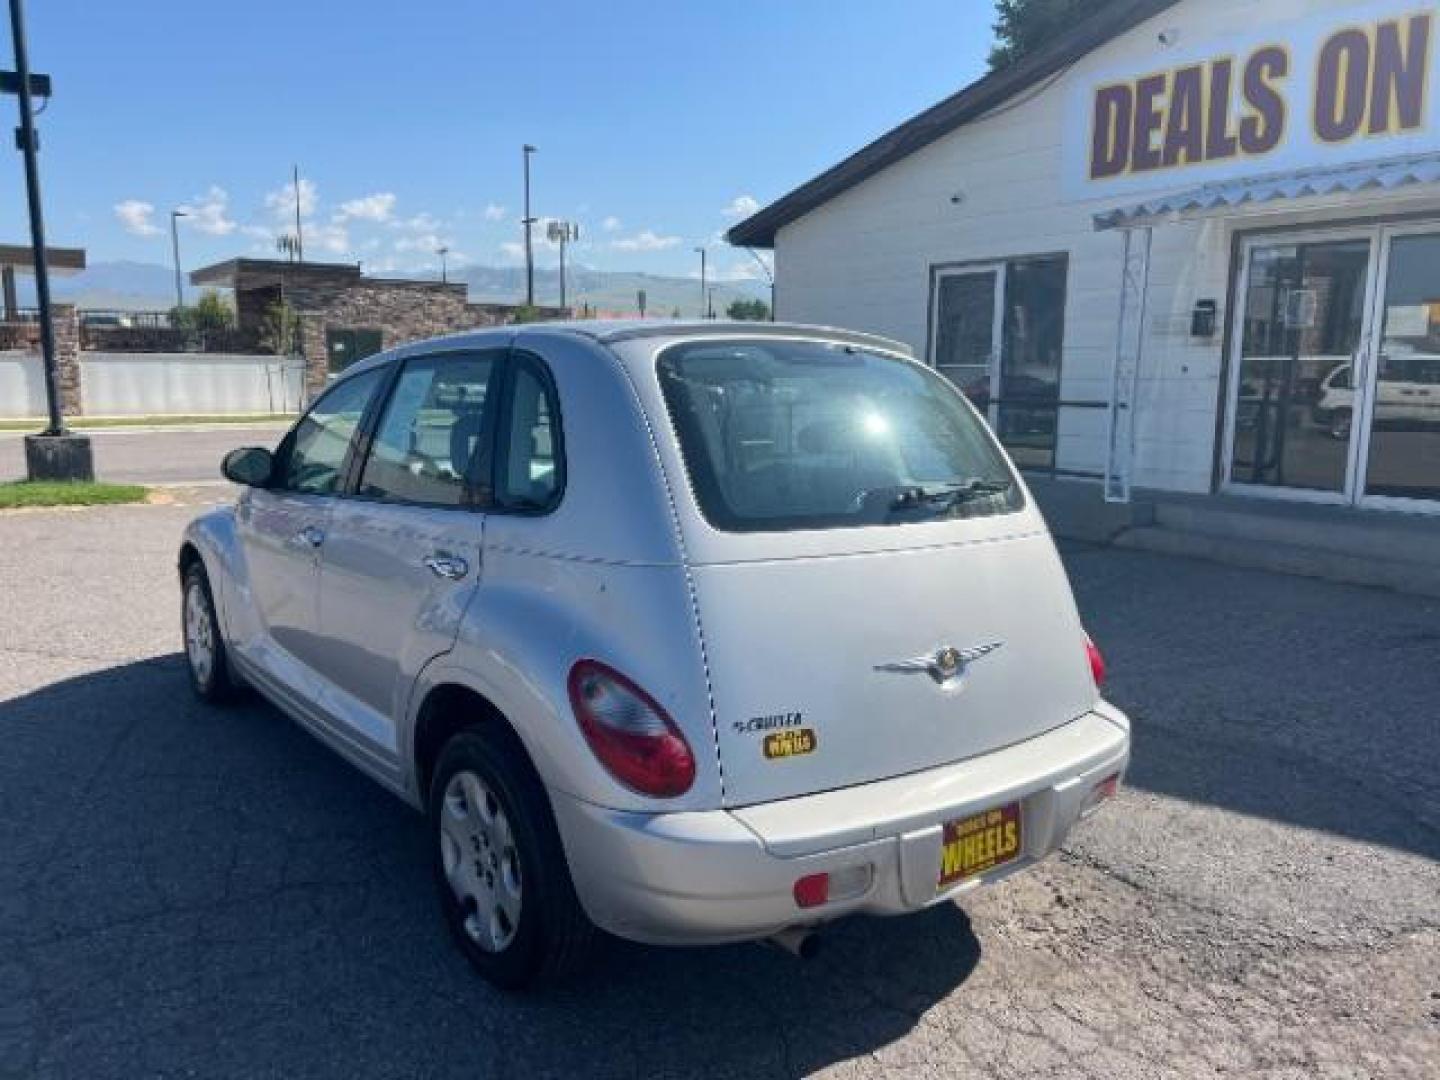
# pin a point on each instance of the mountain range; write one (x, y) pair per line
(137, 286)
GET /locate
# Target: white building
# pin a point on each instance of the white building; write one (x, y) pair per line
(1193, 246)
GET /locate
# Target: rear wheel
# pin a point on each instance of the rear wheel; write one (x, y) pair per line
(205, 653)
(505, 887)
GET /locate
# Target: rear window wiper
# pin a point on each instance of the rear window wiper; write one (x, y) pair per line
(947, 496)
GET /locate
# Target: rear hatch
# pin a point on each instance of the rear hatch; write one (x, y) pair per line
(875, 592)
(824, 669)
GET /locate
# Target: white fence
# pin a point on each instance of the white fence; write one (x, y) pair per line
(160, 384)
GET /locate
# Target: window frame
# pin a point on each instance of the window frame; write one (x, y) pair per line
(500, 457)
(478, 491)
(286, 449)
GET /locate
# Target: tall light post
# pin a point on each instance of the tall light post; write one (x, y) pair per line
(562, 233)
(704, 295)
(175, 216)
(442, 252)
(528, 221)
(55, 454)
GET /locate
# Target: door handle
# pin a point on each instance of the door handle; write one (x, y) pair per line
(309, 536)
(445, 565)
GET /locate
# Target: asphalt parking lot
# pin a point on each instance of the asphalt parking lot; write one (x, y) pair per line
(188, 892)
(153, 455)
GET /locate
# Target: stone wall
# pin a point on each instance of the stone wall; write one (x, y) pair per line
(401, 310)
(66, 322)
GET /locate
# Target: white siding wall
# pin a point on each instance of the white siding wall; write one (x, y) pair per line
(22, 384)
(155, 384)
(863, 259)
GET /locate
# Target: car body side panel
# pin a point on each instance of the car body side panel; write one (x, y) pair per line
(534, 617)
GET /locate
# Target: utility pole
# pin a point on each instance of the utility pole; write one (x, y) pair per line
(528, 221)
(704, 294)
(175, 216)
(54, 454)
(442, 252)
(299, 232)
(562, 233)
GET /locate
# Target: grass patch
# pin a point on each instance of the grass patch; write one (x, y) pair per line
(67, 493)
(81, 423)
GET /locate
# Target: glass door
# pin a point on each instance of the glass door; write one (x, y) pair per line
(1301, 325)
(1402, 442)
(968, 311)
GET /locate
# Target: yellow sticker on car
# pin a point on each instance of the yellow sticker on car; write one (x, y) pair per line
(791, 743)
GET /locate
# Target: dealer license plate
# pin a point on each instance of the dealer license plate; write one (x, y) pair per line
(973, 845)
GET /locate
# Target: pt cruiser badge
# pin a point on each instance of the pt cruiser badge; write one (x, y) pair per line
(944, 665)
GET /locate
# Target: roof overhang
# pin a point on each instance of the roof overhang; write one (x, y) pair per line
(268, 273)
(1417, 174)
(1108, 22)
(61, 262)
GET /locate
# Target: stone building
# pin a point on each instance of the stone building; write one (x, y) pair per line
(344, 315)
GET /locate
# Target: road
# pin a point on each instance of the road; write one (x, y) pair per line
(153, 455)
(187, 891)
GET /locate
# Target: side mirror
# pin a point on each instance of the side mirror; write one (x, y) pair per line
(250, 465)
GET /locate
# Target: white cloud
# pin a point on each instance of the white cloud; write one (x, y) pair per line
(512, 249)
(494, 212)
(645, 241)
(426, 242)
(743, 271)
(136, 215)
(333, 239)
(611, 224)
(742, 206)
(378, 207)
(210, 213)
(281, 201)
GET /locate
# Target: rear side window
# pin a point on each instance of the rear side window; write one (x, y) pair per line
(532, 465)
(428, 444)
(782, 435)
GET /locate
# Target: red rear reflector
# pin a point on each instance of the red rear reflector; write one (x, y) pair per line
(812, 891)
(1107, 788)
(1097, 663)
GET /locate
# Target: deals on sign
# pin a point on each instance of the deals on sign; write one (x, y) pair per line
(1354, 84)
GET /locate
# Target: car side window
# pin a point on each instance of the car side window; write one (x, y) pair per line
(429, 442)
(314, 461)
(532, 466)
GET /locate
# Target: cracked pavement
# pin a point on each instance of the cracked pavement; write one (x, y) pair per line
(189, 892)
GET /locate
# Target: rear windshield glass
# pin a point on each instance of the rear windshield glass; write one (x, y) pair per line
(782, 435)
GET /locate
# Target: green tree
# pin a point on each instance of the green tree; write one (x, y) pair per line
(1022, 26)
(748, 311)
(211, 312)
(280, 329)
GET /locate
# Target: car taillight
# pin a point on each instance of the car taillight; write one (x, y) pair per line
(1097, 663)
(629, 732)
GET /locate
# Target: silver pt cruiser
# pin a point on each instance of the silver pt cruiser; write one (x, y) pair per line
(687, 632)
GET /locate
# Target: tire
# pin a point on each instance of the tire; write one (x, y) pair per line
(1340, 422)
(206, 657)
(496, 849)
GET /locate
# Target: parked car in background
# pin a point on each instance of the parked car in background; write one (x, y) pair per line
(693, 633)
(1408, 394)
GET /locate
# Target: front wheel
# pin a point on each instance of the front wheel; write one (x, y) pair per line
(504, 884)
(1340, 423)
(205, 653)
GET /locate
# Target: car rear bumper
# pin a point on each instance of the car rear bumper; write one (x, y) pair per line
(728, 875)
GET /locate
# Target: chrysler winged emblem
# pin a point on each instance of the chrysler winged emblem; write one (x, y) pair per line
(944, 665)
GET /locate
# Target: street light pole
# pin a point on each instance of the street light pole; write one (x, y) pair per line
(442, 252)
(704, 296)
(175, 216)
(27, 140)
(769, 276)
(526, 151)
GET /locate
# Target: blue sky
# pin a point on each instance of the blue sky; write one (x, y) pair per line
(657, 123)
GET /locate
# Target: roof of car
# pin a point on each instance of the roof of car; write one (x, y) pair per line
(613, 331)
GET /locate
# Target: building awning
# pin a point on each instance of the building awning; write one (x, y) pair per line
(1210, 199)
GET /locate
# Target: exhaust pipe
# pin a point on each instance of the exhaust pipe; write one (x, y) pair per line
(798, 941)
